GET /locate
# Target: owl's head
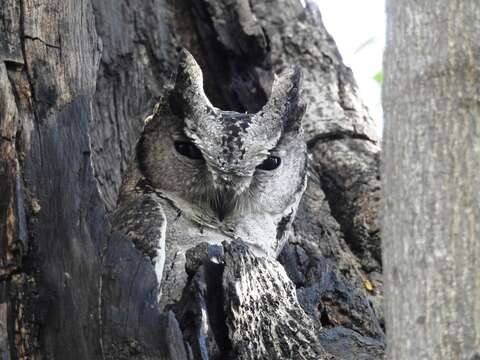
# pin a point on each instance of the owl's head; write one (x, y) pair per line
(224, 162)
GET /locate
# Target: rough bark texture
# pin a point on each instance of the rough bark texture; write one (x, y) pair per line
(77, 77)
(431, 222)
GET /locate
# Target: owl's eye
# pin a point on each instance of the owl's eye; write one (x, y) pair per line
(270, 163)
(188, 149)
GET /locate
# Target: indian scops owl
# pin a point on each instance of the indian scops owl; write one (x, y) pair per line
(201, 174)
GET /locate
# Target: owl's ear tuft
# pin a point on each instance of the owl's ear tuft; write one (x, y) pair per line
(286, 100)
(188, 96)
(189, 74)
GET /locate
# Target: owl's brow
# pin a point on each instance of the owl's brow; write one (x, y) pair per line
(180, 134)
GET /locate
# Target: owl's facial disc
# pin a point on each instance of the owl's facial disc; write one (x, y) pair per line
(235, 146)
(230, 188)
(233, 163)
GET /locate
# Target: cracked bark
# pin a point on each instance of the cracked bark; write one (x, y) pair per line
(42, 41)
(76, 79)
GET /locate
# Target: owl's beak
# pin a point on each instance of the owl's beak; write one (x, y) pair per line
(228, 188)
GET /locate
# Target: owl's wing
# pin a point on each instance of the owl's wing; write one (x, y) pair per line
(142, 219)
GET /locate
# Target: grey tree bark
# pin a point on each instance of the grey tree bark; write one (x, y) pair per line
(431, 216)
(77, 78)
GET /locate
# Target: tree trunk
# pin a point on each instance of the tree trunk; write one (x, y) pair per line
(77, 78)
(431, 221)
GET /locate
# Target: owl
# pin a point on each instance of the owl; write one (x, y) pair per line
(202, 174)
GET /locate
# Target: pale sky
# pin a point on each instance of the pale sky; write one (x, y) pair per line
(358, 28)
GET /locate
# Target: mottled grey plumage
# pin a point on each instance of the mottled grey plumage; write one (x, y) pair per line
(222, 186)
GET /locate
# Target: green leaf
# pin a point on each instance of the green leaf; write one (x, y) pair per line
(378, 77)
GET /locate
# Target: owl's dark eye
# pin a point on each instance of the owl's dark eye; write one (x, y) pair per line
(270, 163)
(188, 149)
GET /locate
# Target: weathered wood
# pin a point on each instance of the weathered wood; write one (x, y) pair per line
(10, 251)
(10, 42)
(431, 217)
(133, 326)
(330, 283)
(138, 57)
